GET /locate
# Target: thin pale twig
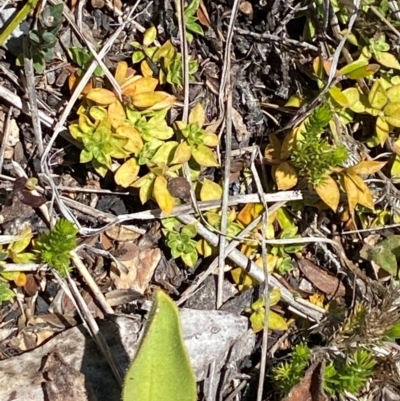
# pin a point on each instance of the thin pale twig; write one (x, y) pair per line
(6, 134)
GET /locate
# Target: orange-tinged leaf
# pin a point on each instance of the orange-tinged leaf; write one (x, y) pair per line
(250, 212)
(210, 191)
(351, 192)
(21, 280)
(329, 192)
(197, 115)
(364, 194)
(285, 176)
(366, 167)
(127, 173)
(116, 114)
(102, 96)
(182, 153)
(145, 69)
(153, 100)
(377, 96)
(120, 72)
(141, 85)
(162, 196)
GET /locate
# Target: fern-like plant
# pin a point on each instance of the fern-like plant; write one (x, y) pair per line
(313, 156)
(287, 374)
(55, 246)
(350, 373)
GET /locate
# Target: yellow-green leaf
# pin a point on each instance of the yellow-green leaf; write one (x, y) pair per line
(377, 96)
(204, 248)
(289, 142)
(204, 156)
(339, 96)
(197, 115)
(387, 60)
(161, 369)
(392, 114)
(285, 176)
(149, 36)
(393, 93)
(353, 99)
(102, 96)
(210, 191)
(276, 322)
(19, 245)
(210, 139)
(162, 196)
(127, 173)
(329, 192)
(182, 153)
(165, 153)
(294, 101)
(382, 129)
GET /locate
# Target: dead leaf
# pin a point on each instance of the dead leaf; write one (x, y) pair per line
(242, 134)
(121, 234)
(140, 264)
(321, 280)
(202, 15)
(310, 387)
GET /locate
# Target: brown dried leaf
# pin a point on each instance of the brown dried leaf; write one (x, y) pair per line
(310, 387)
(321, 280)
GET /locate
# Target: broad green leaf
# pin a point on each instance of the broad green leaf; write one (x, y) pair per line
(359, 69)
(162, 196)
(161, 369)
(210, 191)
(329, 192)
(286, 176)
(86, 156)
(190, 230)
(377, 96)
(276, 322)
(98, 113)
(23, 257)
(294, 101)
(127, 173)
(353, 66)
(387, 253)
(204, 156)
(135, 142)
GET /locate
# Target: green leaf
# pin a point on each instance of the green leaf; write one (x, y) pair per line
(204, 156)
(161, 370)
(190, 259)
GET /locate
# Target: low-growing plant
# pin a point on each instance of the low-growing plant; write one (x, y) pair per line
(349, 373)
(181, 240)
(191, 20)
(84, 58)
(43, 39)
(55, 246)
